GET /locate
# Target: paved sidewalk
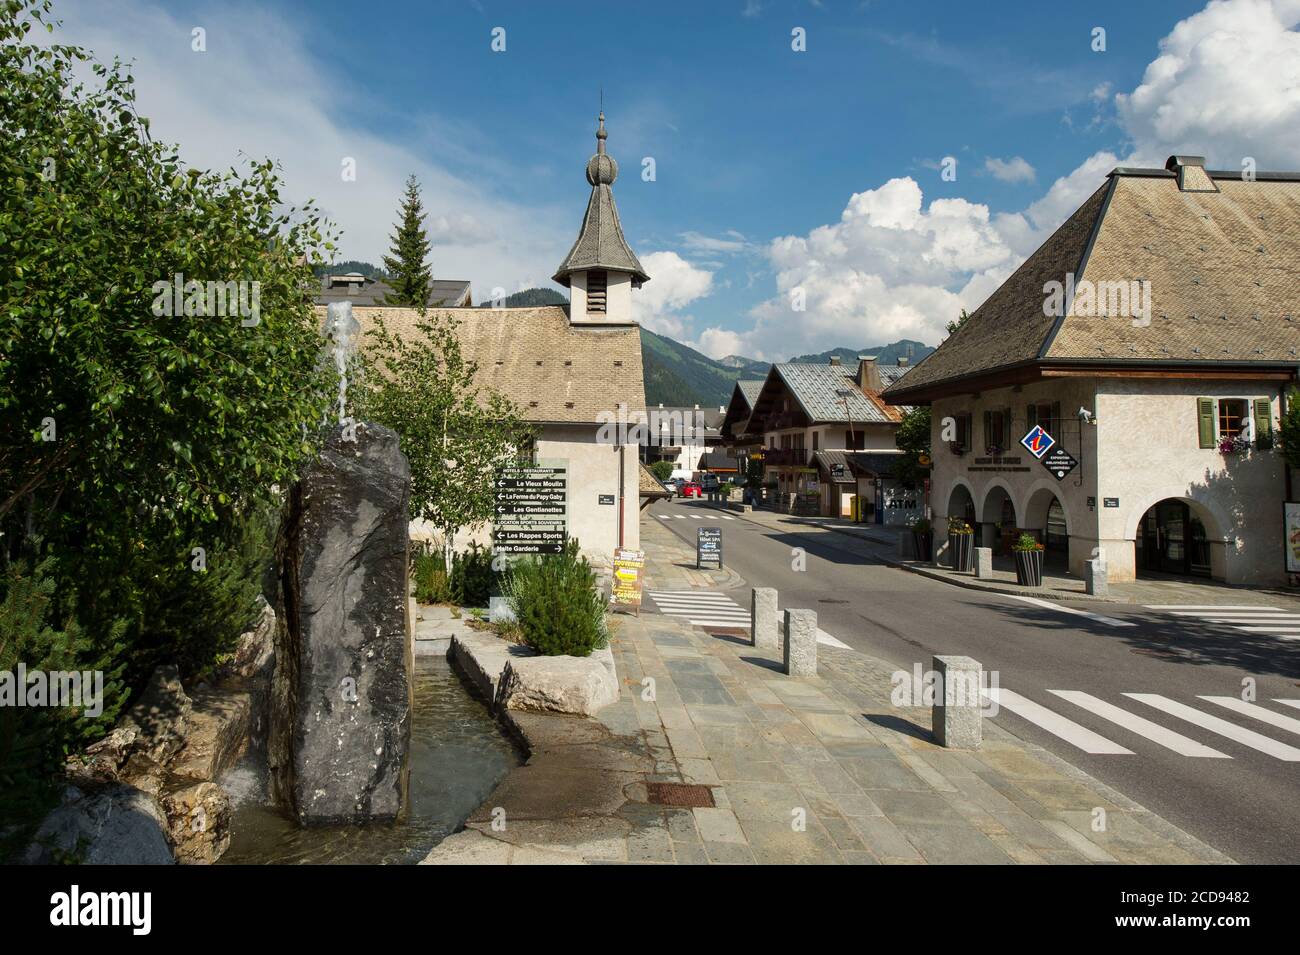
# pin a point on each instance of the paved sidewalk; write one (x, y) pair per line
(883, 544)
(816, 770)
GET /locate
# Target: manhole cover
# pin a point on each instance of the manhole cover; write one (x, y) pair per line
(679, 794)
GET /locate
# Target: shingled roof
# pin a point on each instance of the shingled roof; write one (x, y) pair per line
(554, 370)
(359, 290)
(817, 389)
(1222, 259)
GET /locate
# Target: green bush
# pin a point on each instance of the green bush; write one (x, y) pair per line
(35, 740)
(558, 605)
(471, 576)
(429, 570)
(663, 470)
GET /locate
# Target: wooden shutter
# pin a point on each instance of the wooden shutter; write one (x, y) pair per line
(1031, 417)
(1263, 418)
(596, 291)
(988, 428)
(1205, 421)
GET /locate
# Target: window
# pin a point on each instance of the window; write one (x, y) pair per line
(596, 288)
(855, 440)
(1045, 413)
(961, 441)
(816, 437)
(997, 430)
(1232, 417)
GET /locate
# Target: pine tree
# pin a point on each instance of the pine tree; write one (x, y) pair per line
(411, 274)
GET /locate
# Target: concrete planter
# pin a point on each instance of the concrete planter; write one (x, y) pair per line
(514, 677)
(1029, 568)
(962, 549)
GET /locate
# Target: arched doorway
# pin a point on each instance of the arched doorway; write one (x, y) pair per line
(1045, 514)
(961, 504)
(999, 510)
(1171, 539)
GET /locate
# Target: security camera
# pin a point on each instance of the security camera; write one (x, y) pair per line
(1085, 415)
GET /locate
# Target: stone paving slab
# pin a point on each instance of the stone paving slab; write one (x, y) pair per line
(814, 770)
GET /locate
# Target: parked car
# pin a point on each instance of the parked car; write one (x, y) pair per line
(692, 489)
(670, 486)
(710, 482)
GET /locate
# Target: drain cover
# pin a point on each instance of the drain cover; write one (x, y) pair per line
(680, 794)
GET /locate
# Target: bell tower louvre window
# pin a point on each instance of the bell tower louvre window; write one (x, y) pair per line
(597, 280)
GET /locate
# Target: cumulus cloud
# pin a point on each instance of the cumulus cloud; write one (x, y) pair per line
(1015, 169)
(1226, 84)
(674, 284)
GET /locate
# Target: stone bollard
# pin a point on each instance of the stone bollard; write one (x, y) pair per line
(762, 618)
(1094, 577)
(955, 715)
(984, 562)
(801, 642)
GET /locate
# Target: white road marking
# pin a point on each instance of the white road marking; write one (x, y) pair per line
(1068, 730)
(680, 517)
(1143, 727)
(1294, 704)
(1215, 725)
(726, 518)
(826, 638)
(1288, 723)
(1238, 617)
(1207, 607)
(1051, 605)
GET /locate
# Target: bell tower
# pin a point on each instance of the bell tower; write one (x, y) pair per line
(601, 270)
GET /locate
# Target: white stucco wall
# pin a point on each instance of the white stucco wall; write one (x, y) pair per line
(1143, 449)
(618, 298)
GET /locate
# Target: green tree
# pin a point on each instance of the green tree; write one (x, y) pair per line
(663, 470)
(407, 266)
(913, 439)
(455, 433)
(1289, 430)
(958, 322)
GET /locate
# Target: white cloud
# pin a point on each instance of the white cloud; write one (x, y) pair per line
(674, 284)
(259, 91)
(1225, 85)
(730, 241)
(719, 343)
(1015, 169)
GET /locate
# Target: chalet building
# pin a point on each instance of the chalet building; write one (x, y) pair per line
(570, 370)
(827, 441)
(683, 435)
(359, 290)
(738, 441)
(1153, 339)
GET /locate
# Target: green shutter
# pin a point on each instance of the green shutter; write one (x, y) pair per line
(1205, 421)
(988, 428)
(1263, 418)
(1031, 417)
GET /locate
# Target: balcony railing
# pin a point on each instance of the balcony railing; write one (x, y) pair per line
(786, 457)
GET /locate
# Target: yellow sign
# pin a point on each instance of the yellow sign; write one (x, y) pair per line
(923, 460)
(628, 565)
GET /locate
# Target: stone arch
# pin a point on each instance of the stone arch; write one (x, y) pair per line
(990, 509)
(1217, 526)
(960, 500)
(1033, 506)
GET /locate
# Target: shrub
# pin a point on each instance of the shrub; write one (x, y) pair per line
(958, 526)
(557, 603)
(429, 570)
(1026, 542)
(663, 470)
(471, 576)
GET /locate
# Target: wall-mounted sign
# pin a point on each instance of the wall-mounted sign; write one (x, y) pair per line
(1110, 502)
(923, 460)
(1092, 503)
(606, 498)
(626, 591)
(531, 510)
(1060, 462)
(1038, 441)
(1291, 535)
(839, 472)
(708, 548)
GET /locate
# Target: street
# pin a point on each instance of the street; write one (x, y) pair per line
(1148, 701)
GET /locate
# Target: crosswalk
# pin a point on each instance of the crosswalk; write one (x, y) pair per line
(1248, 618)
(701, 607)
(1206, 716)
(695, 517)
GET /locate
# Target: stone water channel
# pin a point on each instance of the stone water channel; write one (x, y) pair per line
(458, 754)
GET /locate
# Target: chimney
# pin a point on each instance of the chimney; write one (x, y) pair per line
(868, 373)
(1191, 173)
(902, 362)
(835, 361)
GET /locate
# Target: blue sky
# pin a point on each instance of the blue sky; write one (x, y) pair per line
(774, 168)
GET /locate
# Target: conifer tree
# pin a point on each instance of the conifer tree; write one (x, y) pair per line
(411, 274)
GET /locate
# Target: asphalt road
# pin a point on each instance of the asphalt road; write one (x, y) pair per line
(1241, 801)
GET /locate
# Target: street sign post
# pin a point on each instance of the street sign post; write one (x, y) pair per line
(626, 591)
(531, 510)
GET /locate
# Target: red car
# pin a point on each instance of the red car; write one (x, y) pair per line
(692, 489)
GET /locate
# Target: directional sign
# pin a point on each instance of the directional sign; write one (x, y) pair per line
(1038, 441)
(1060, 462)
(530, 510)
(708, 548)
(628, 567)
